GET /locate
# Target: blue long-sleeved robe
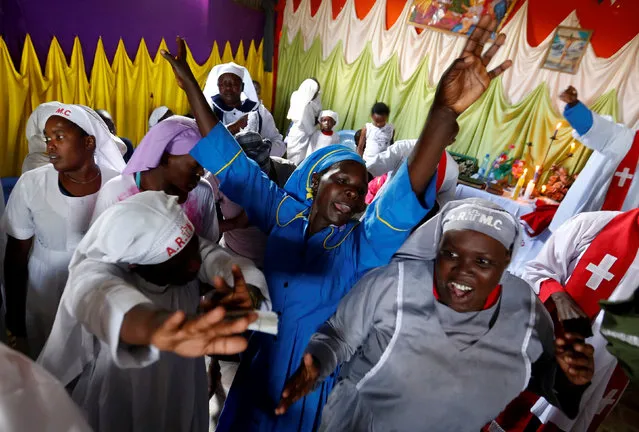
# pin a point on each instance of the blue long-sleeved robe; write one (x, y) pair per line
(306, 277)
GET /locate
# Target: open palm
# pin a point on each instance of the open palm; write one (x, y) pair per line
(467, 78)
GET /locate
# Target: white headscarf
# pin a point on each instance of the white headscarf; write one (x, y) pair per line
(302, 97)
(331, 114)
(147, 228)
(156, 115)
(475, 214)
(108, 147)
(35, 126)
(211, 89)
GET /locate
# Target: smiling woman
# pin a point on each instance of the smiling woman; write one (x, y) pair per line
(438, 310)
(53, 205)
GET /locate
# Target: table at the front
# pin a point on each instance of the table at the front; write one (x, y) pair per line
(530, 246)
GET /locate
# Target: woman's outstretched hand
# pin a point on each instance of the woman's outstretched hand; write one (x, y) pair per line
(467, 78)
(181, 68)
(300, 384)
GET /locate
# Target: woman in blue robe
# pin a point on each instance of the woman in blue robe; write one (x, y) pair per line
(316, 251)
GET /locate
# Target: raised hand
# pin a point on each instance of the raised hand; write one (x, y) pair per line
(299, 385)
(181, 68)
(467, 78)
(575, 358)
(569, 96)
(206, 334)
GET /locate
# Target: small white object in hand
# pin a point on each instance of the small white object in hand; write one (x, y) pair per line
(266, 322)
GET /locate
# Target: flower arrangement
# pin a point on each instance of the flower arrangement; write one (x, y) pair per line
(558, 183)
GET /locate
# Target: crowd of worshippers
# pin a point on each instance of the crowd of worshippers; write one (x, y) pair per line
(138, 278)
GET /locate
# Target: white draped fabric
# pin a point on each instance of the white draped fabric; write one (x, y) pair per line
(595, 77)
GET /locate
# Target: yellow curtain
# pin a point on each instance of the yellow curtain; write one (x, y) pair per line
(128, 89)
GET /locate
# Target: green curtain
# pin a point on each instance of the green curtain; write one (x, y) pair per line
(490, 126)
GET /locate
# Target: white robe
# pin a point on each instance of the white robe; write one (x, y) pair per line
(377, 139)
(123, 387)
(392, 158)
(32, 400)
(37, 209)
(299, 136)
(199, 206)
(610, 142)
(319, 140)
(557, 260)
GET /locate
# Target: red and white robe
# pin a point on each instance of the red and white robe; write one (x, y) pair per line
(609, 179)
(586, 258)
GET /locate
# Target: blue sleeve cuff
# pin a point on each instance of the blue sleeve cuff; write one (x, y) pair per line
(217, 151)
(579, 117)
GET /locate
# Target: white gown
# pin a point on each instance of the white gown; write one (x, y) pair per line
(37, 208)
(199, 206)
(125, 388)
(319, 140)
(32, 400)
(557, 260)
(610, 142)
(299, 136)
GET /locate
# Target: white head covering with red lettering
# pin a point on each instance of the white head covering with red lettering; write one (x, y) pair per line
(108, 147)
(145, 229)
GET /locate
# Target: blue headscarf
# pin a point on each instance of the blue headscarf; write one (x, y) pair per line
(299, 183)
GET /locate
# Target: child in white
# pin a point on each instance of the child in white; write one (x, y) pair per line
(325, 136)
(377, 136)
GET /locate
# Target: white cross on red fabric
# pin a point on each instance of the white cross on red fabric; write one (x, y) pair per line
(600, 272)
(623, 176)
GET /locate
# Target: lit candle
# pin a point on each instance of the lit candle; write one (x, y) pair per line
(537, 172)
(543, 189)
(572, 147)
(519, 185)
(529, 189)
(554, 137)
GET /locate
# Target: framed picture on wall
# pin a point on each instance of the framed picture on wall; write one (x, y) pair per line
(458, 16)
(566, 50)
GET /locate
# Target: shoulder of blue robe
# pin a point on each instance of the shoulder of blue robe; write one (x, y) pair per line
(289, 210)
(247, 106)
(579, 117)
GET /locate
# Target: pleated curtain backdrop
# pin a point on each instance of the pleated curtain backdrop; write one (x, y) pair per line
(128, 89)
(358, 62)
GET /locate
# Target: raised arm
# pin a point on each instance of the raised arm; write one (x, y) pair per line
(240, 178)
(461, 85)
(204, 115)
(410, 194)
(594, 131)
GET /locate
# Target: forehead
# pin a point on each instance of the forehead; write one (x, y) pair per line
(229, 78)
(349, 167)
(472, 242)
(326, 118)
(59, 123)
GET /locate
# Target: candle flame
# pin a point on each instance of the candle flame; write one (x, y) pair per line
(543, 189)
(572, 146)
(558, 125)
